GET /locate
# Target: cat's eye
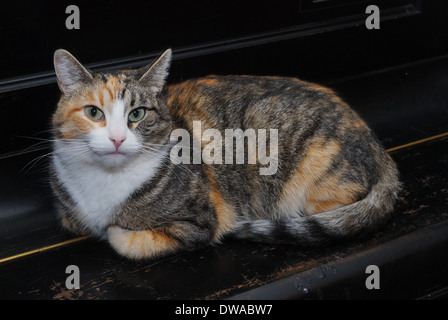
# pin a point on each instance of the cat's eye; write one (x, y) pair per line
(137, 114)
(94, 113)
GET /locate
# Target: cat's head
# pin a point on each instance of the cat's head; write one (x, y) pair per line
(110, 118)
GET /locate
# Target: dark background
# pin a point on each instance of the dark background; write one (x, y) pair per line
(114, 30)
(313, 40)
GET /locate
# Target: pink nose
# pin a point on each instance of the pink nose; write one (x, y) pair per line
(118, 141)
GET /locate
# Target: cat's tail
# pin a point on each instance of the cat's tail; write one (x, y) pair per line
(361, 217)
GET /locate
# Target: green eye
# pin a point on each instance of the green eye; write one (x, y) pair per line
(94, 113)
(137, 114)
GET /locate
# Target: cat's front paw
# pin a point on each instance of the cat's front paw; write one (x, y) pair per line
(140, 244)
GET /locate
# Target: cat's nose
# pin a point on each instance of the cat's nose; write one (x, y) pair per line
(117, 141)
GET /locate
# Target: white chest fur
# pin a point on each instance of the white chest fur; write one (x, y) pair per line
(97, 191)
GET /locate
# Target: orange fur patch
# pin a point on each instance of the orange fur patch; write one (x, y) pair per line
(224, 211)
(108, 91)
(309, 189)
(140, 244)
(331, 194)
(70, 114)
(188, 103)
(100, 98)
(72, 121)
(318, 87)
(207, 81)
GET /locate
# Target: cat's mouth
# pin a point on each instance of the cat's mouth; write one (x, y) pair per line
(114, 153)
(112, 158)
(104, 153)
(116, 156)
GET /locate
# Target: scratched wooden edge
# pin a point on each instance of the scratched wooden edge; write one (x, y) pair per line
(79, 239)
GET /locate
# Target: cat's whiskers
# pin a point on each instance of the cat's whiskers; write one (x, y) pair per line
(181, 165)
(38, 145)
(149, 144)
(30, 165)
(161, 157)
(154, 144)
(77, 148)
(47, 143)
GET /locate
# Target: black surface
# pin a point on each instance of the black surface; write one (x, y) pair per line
(396, 78)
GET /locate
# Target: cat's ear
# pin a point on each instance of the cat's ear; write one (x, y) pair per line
(154, 77)
(69, 71)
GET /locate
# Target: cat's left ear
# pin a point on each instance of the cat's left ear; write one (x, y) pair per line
(155, 77)
(69, 71)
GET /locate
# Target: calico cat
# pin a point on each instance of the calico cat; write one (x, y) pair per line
(113, 175)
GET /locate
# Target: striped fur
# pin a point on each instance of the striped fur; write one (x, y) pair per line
(334, 179)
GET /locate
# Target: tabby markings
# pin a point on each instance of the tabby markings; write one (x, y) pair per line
(311, 188)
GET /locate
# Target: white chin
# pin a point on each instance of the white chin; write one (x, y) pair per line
(114, 159)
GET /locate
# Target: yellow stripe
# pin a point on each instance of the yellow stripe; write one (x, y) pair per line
(418, 142)
(24, 254)
(27, 253)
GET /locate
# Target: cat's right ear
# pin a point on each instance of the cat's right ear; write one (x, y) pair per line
(69, 71)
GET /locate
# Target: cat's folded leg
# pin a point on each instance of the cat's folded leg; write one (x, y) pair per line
(141, 244)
